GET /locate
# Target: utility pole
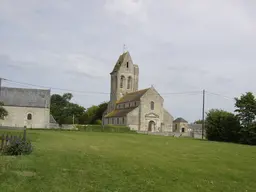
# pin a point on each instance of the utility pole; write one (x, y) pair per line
(1, 79)
(0, 86)
(203, 124)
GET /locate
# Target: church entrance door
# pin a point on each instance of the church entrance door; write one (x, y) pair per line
(151, 125)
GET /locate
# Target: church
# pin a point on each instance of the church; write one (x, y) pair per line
(141, 110)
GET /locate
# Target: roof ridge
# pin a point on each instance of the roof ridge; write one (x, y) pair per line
(137, 91)
(120, 112)
(133, 96)
(21, 88)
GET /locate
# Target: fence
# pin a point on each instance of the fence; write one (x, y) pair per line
(7, 139)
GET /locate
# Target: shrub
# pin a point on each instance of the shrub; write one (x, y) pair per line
(17, 147)
(98, 122)
(222, 126)
(248, 135)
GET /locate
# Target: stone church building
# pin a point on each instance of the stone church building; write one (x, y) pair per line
(26, 107)
(141, 110)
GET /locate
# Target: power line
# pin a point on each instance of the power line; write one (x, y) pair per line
(217, 94)
(93, 92)
(54, 88)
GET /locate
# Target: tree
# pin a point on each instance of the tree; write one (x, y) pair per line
(63, 110)
(246, 112)
(101, 109)
(246, 109)
(222, 126)
(90, 114)
(95, 112)
(3, 112)
(198, 121)
(67, 97)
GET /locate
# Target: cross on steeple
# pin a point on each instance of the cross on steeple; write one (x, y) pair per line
(124, 48)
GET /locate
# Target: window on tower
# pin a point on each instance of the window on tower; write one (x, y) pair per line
(122, 82)
(127, 64)
(129, 83)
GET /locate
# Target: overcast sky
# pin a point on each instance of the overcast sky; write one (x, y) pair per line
(179, 45)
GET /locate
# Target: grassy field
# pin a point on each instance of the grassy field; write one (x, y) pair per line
(119, 162)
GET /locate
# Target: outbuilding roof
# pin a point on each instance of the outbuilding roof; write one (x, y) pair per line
(180, 120)
(23, 97)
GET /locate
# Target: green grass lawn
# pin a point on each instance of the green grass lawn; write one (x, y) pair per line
(119, 162)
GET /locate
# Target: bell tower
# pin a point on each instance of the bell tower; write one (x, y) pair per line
(124, 79)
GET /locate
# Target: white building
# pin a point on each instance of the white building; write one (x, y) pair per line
(26, 107)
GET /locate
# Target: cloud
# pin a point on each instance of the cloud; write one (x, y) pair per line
(134, 9)
(179, 46)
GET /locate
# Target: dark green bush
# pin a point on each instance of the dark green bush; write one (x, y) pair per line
(222, 126)
(17, 147)
(248, 135)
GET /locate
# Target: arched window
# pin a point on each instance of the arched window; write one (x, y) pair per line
(29, 116)
(129, 83)
(122, 82)
(152, 105)
(127, 64)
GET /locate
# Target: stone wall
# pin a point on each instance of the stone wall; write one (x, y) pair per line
(133, 119)
(17, 117)
(196, 129)
(168, 122)
(68, 126)
(156, 114)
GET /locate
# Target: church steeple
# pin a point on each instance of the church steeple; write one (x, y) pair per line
(124, 78)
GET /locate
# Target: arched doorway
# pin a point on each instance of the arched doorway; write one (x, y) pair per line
(151, 125)
(183, 130)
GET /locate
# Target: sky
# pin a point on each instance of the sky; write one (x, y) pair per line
(181, 46)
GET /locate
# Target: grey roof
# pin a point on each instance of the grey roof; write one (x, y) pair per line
(179, 120)
(196, 127)
(120, 112)
(23, 97)
(133, 96)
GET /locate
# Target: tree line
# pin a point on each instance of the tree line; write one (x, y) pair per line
(66, 112)
(237, 127)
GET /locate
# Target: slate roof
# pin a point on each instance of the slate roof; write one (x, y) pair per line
(134, 96)
(119, 62)
(23, 97)
(196, 127)
(180, 120)
(119, 112)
